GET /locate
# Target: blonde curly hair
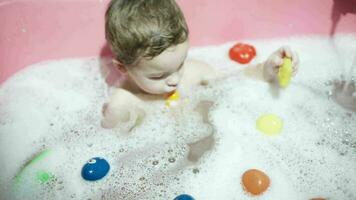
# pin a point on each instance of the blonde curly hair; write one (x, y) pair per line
(143, 28)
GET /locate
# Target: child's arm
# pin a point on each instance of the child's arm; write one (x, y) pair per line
(266, 71)
(123, 108)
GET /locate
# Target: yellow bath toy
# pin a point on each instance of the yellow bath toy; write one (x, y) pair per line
(172, 99)
(285, 72)
(269, 124)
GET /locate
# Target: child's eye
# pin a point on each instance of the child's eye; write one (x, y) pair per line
(156, 77)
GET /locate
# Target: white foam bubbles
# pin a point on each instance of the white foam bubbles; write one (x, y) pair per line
(57, 106)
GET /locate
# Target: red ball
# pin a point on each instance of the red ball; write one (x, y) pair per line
(242, 53)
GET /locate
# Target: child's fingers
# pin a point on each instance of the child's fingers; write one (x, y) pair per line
(295, 59)
(285, 51)
(295, 63)
(280, 52)
(276, 60)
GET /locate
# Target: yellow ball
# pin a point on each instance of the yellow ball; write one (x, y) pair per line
(285, 72)
(269, 124)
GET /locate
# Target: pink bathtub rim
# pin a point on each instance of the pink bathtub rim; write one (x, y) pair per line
(37, 30)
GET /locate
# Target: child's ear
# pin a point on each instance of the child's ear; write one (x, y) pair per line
(119, 66)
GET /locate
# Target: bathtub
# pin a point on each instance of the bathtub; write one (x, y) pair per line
(39, 30)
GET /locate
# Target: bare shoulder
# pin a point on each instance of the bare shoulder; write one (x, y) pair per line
(120, 108)
(196, 73)
(120, 96)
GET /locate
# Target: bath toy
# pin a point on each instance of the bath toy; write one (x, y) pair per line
(269, 124)
(95, 169)
(255, 181)
(33, 177)
(41, 176)
(172, 99)
(285, 72)
(242, 53)
(44, 176)
(184, 197)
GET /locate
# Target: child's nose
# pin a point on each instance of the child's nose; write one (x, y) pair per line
(173, 80)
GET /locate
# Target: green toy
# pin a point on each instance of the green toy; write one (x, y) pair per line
(40, 176)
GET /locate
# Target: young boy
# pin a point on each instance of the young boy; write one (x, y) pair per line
(149, 39)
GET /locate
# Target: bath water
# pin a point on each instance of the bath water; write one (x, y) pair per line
(201, 149)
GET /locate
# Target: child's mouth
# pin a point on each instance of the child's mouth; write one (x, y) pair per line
(168, 94)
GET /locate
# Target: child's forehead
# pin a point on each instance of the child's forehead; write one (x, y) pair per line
(157, 64)
(171, 57)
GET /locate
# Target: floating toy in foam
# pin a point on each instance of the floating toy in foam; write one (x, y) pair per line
(269, 124)
(242, 53)
(184, 197)
(95, 169)
(44, 176)
(172, 99)
(285, 72)
(255, 181)
(41, 176)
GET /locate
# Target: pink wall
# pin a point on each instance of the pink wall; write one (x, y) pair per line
(36, 30)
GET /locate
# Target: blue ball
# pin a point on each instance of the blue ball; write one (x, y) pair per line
(184, 197)
(95, 169)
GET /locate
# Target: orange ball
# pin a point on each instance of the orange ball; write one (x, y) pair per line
(255, 181)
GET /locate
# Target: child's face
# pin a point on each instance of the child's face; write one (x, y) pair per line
(163, 73)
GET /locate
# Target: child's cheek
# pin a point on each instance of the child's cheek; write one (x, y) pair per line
(156, 86)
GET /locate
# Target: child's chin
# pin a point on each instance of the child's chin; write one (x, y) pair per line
(170, 91)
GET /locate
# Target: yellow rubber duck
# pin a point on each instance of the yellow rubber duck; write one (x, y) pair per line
(172, 99)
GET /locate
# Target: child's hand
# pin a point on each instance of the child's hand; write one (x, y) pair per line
(272, 64)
